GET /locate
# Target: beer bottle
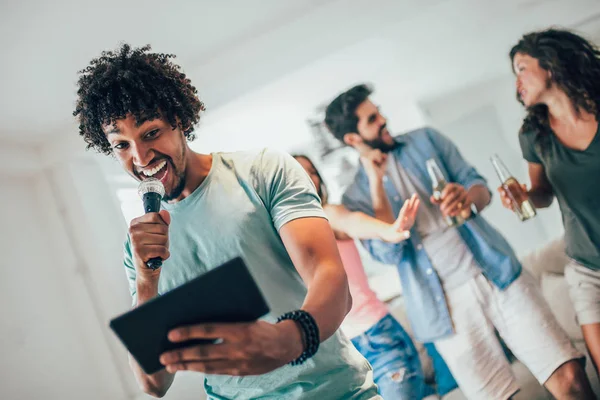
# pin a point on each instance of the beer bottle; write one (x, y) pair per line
(438, 183)
(521, 205)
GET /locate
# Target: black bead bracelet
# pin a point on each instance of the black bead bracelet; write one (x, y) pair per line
(310, 333)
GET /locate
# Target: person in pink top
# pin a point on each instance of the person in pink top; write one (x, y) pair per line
(373, 331)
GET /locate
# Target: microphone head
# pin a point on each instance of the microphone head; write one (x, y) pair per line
(151, 185)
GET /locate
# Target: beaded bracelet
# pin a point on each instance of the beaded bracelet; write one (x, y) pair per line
(310, 333)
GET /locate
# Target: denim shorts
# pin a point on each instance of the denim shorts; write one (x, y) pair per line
(396, 366)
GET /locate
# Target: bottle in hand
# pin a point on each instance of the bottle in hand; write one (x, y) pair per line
(521, 205)
(439, 183)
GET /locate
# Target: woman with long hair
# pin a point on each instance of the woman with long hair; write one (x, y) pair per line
(558, 82)
(376, 334)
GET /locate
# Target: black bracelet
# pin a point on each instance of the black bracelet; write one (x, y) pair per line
(310, 333)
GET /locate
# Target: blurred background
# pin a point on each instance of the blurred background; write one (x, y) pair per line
(264, 69)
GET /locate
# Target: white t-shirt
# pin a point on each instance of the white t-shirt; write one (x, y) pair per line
(447, 251)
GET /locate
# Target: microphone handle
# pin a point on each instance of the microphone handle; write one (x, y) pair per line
(152, 204)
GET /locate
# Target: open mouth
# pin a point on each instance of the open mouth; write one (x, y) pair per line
(160, 171)
(384, 133)
(522, 93)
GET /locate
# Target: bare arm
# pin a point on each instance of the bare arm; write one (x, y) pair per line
(541, 193)
(374, 163)
(359, 225)
(158, 383)
(355, 224)
(313, 250)
(381, 204)
(149, 238)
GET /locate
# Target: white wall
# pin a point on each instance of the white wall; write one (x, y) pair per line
(62, 280)
(52, 344)
(276, 115)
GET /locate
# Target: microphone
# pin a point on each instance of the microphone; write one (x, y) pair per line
(151, 191)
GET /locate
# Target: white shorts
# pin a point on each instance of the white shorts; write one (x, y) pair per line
(584, 288)
(524, 321)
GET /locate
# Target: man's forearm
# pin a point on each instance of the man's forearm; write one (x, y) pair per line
(145, 290)
(158, 383)
(328, 299)
(311, 244)
(381, 204)
(480, 196)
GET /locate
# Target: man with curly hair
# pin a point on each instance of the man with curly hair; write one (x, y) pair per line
(139, 107)
(460, 283)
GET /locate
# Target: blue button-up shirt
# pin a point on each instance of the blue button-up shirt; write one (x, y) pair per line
(422, 290)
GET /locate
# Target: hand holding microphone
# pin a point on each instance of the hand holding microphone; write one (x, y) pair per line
(150, 233)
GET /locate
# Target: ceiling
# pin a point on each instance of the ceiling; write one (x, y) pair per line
(233, 47)
(44, 44)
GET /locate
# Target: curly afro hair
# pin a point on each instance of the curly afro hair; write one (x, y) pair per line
(137, 82)
(575, 66)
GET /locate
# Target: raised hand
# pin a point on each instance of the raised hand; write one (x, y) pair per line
(408, 214)
(149, 236)
(374, 162)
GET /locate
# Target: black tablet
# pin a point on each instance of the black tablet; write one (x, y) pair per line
(225, 294)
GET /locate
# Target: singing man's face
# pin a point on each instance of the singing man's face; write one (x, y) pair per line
(150, 149)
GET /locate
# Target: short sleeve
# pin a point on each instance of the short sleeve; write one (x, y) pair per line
(286, 189)
(527, 142)
(129, 269)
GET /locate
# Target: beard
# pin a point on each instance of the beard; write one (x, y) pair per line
(179, 185)
(178, 177)
(379, 144)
